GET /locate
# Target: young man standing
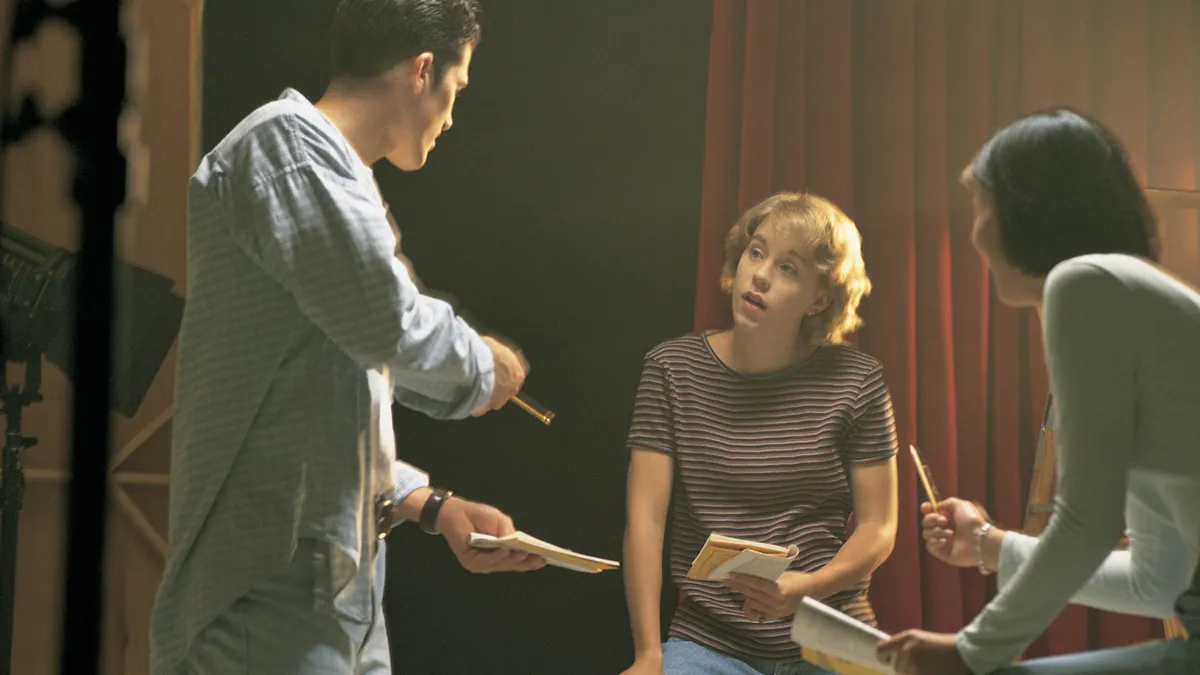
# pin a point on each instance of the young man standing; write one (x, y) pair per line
(301, 328)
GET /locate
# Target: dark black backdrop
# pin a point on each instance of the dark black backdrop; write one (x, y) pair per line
(562, 208)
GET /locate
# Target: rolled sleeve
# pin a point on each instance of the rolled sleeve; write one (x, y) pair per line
(326, 240)
(408, 480)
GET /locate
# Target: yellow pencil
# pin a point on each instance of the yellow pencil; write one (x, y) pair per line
(926, 480)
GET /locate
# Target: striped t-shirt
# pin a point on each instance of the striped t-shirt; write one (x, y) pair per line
(760, 457)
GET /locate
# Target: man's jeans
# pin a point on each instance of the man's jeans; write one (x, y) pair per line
(286, 625)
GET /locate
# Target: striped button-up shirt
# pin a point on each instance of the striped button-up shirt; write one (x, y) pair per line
(301, 326)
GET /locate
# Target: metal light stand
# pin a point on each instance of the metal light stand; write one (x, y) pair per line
(12, 494)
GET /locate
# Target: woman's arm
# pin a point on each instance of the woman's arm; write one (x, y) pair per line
(873, 488)
(648, 496)
(1144, 580)
(1090, 322)
(870, 455)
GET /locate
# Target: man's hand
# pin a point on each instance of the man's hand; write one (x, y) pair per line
(772, 600)
(917, 652)
(511, 369)
(460, 517)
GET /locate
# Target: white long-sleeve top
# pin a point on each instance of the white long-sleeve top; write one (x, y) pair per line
(1144, 580)
(1122, 342)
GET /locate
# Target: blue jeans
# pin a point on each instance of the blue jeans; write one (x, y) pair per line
(1179, 656)
(285, 625)
(683, 657)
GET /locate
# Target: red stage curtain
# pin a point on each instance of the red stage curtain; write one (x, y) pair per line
(878, 105)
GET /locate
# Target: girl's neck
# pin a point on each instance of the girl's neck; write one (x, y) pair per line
(756, 352)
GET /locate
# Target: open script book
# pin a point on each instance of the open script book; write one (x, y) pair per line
(829, 639)
(554, 555)
(723, 555)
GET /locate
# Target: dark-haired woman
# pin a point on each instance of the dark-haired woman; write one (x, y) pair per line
(1065, 228)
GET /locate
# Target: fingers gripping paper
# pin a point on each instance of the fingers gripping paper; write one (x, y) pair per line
(834, 641)
(554, 555)
(724, 555)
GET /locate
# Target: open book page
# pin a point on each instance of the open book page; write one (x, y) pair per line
(554, 555)
(821, 629)
(753, 564)
(725, 541)
(723, 555)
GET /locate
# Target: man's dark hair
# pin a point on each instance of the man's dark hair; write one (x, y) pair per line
(371, 37)
(1062, 186)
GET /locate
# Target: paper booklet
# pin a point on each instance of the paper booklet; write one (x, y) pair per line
(832, 640)
(554, 555)
(722, 555)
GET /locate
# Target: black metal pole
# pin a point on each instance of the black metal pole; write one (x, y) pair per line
(99, 190)
(10, 502)
(12, 497)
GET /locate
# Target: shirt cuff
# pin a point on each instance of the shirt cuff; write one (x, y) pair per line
(408, 480)
(983, 659)
(976, 658)
(486, 364)
(1010, 559)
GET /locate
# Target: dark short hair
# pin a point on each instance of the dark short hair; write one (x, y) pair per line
(370, 37)
(1061, 186)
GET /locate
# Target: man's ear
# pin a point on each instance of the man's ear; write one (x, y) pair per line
(421, 73)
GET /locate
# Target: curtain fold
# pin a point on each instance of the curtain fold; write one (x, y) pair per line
(878, 105)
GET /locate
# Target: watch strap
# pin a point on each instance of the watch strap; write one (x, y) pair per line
(431, 509)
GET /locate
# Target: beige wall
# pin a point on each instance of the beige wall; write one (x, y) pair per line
(165, 122)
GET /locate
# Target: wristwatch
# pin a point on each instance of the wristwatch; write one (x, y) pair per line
(431, 509)
(980, 534)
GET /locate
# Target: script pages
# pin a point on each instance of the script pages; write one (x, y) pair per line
(722, 555)
(554, 555)
(829, 639)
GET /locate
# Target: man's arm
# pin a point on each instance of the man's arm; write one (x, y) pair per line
(408, 479)
(327, 242)
(457, 519)
(509, 365)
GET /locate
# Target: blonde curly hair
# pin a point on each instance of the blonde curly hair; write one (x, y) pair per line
(836, 250)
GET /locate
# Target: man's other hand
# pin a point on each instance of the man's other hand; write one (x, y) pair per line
(511, 370)
(460, 517)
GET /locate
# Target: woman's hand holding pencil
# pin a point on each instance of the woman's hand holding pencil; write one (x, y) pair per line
(949, 526)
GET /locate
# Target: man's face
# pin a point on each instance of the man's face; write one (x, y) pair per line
(425, 108)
